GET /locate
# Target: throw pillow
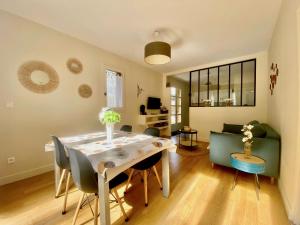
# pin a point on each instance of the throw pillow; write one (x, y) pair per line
(258, 131)
(253, 122)
(232, 128)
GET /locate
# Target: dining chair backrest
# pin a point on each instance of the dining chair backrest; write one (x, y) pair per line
(152, 131)
(82, 172)
(126, 128)
(61, 157)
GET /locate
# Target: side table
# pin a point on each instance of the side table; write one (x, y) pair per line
(251, 164)
(188, 143)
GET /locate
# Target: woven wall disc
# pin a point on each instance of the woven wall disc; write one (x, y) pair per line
(85, 91)
(74, 65)
(25, 77)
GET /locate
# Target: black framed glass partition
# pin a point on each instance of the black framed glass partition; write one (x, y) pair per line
(232, 84)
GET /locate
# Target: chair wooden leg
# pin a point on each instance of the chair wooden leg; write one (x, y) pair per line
(77, 209)
(128, 181)
(66, 193)
(157, 176)
(60, 183)
(96, 210)
(120, 204)
(212, 165)
(146, 187)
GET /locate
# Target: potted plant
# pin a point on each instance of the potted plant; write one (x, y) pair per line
(109, 117)
(247, 139)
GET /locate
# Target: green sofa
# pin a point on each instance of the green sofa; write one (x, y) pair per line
(268, 148)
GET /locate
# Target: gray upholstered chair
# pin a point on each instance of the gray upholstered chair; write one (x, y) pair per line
(63, 162)
(126, 128)
(86, 181)
(147, 164)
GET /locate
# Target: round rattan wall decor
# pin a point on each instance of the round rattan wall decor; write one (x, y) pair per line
(85, 91)
(38, 77)
(74, 65)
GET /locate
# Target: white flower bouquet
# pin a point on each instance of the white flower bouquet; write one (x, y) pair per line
(247, 133)
(247, 139)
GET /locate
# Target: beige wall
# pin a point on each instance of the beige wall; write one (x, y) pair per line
(206, 119)
(283, 106)
(25, 128)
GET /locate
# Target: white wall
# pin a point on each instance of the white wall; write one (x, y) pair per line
(25, 128)
(283, 106)
(206, 119)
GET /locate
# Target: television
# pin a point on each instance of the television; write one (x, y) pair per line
(153, 103)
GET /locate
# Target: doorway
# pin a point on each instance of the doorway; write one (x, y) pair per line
(178, 90)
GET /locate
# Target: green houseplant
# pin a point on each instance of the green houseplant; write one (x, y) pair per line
(109, 117)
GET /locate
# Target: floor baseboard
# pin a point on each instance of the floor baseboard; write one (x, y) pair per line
(25, 174)
(286, 202)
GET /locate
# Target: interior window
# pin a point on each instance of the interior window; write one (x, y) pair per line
(194, 92)
(225, 85)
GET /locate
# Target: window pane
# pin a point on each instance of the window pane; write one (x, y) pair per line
(213, 86)
(173, 100)
(173, 119)
(223, 84)
(178, 101)
(179, 92)
(173, 91)
(173, 110)
(179, 110)
(235, 85)
(203, 87)
(178, 118)
(248, 83)
(194, 89)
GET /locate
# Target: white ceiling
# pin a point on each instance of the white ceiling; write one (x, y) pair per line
(199, 31)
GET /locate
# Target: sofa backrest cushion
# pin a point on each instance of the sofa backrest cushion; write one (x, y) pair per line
(258, 130)
(232, 128)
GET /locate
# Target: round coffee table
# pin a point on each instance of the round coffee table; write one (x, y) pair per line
(251, 164)
(188, 143)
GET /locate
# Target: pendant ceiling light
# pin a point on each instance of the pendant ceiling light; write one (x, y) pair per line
(157, 52)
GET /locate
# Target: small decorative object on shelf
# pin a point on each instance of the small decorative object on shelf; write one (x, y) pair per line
(143, 110)
(109, 117)
(247, 139)
(186, 128)
(228, 102)
(163, 110)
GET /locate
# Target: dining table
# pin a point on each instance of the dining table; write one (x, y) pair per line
(112, 158)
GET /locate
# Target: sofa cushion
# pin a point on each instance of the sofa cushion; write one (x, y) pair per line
(232, 128)
(258, 130)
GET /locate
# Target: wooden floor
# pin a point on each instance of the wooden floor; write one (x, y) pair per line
(199, 195)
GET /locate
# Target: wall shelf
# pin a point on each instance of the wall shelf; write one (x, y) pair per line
(154, 121)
